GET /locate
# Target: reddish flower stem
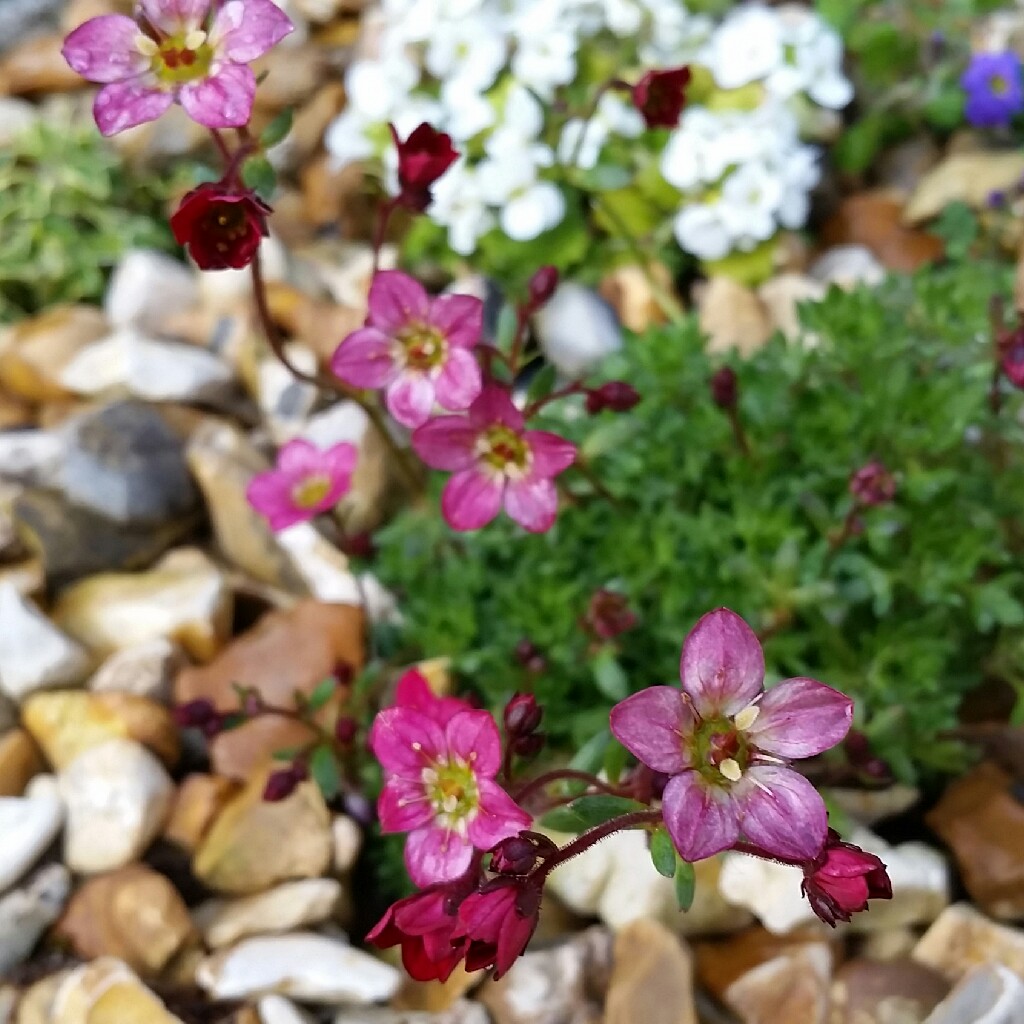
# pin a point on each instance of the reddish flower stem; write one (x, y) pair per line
(585, 840)
(518, 340)
(534, 786)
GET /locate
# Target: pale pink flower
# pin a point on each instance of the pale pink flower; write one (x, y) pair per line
(439, 787)
(417, 348)
(725, 741)
(176, 50)
(495, 461)
(305, 482)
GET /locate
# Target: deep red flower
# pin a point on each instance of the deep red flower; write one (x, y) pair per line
(281, 784)
(661, 95)
(724, 388)
(1013, 359)
(221, 225)
(873, 484)
(842, 878)
(424, 925)
(608, 615)
(541, 287)
(422, 158)
(615, 396)
(497, 923)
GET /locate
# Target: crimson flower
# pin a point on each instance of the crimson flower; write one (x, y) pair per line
(221, 224)
(661, 95)
(842, 878)
(873, 484)
(422, 158)
(497, 923)
(1013, 360)
(615, 396)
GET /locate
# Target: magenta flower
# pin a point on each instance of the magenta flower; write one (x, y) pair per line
(413, 691)
(305, 482)
(417, 348)
(439, 787)
(176, 50)
(495, 461)
(725, 741)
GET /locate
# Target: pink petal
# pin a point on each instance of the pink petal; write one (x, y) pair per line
(497, 818)
(495, 406)
(403, 806)
(405, 741)
(652, 725)
(414, 691)
(123, 105)
(701, 818)
(223, 100)
(299, 458)
(532, 502)
(473, 736)
(410, 398)
(781, 812)
(270, 495)
(722, 667)
(459, 317)
(245, 29)
(340, 462)
(551, 454)
(175, 15)
(365, 359)
(801, 718)
(436, 855)
(447, 443)
(459, 382)
(470, 500)
(395, 300)
(103, 49)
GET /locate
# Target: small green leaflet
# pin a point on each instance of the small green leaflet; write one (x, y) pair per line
(588, 811)
(324, 768)
(322, 694)
(686, 884)
(259, 176)
(663, 853)
(608, 675)
(277, 129)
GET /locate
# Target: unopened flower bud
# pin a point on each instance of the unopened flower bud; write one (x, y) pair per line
(282, 783)
(522, 715)
(842, 878)
(724, 388)
(196, 714)
(345, 729)
(608, 615)
(359, 545)
(615, 396)
(529, 656)
(872, 485)
(541, 287)
(518, 855)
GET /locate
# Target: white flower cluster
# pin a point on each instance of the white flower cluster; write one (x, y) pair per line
(486, 71)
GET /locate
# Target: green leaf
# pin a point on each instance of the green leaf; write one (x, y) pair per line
(614, 761)
(287, 753)
(686, 884)
(277, 129)
(323, 766)
(608, 675)
(542, 384)
(663, 853)
(590, 756)
(588, 811)
(322, 694)
(259, 175)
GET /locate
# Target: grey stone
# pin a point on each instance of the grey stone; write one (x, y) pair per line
(20, 18)
(27, 912)
(147, 289)
(577, 329)
(989, 994)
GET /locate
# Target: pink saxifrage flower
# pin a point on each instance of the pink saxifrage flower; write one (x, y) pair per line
(495, 462)
(417, 348)
(414, 692)
(305, 482)
(187, 51)
(439, 786)
(725, 742)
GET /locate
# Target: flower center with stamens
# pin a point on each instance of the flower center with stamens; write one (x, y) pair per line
(720, 751)
(451, 789)
(999, 85)
(424, 346)
(227, 223)
(184, 57)
(311, 491)
(502, 449)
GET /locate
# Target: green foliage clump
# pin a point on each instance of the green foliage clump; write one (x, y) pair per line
(907, 616)
(68, 209)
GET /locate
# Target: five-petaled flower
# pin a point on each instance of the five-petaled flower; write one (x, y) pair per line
(495, 461)
(994, 88)
(417, 348)
(305, 482)
(221, 224)
(189, 51)
(724, 741)
(422, 158)
(661, 95)
(842, 878)
(439, 786)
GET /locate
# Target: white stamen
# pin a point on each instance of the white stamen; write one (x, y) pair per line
(429, 776)
(146, 46)
(416, 745)
(769, 758)
(195, 39)
(731, 770)
(449, 804)
(746, 718)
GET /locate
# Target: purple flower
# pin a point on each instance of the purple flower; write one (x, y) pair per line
(305, 482)
(724, 741)
(418, 349)
(995, 92)
(176, 50)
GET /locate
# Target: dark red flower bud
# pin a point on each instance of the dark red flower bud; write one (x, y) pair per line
(221, 225)
(528, 746)
(724, 386)
(842, 878)
(615, 396)
(857, 747)
(345, 729)
(518, 855)
(196, 714)
(359, 545)
(523, 715)
(608, 615)
(282, 783)
(661, 95)
(529, 656)
(872, 485)
(541, 287)
(877, 768)
(1013, 360)
(422, 158)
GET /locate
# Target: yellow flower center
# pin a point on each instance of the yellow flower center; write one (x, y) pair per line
(999, 85)
(424, 346)
(185, 57)
(503, 449)
(311, 491)
(451, 789)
